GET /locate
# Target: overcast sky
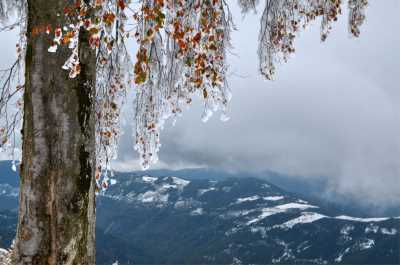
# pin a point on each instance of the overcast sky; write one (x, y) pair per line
(332, 112)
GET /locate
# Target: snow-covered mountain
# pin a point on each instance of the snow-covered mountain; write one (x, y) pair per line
(174, 220)
(144, 219)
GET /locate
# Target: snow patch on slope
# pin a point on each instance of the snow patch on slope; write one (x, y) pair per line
(273, 198)
(306, 217)
(198, 211)
(160, 194)
(371, 228)
(387, 231)
(149, 179)
(369, 243)
(202, 191)
(346, 229)
(248, 199)
(363, 244)
(181, 183)
(152, 196)
(265, 212)
(340, 257)
(357, 219)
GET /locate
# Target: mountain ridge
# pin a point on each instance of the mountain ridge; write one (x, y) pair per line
(240, 219)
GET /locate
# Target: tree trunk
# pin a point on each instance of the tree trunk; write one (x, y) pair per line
(57, 199)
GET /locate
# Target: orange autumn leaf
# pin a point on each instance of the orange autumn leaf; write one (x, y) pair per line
(197, 37)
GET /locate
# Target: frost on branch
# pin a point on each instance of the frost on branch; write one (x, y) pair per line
(247, 5)
(114, 77)
(182, 52)
(8, 8)
(356, 15)
(283, 19)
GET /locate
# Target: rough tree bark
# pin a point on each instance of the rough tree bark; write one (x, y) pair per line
(57, 198)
